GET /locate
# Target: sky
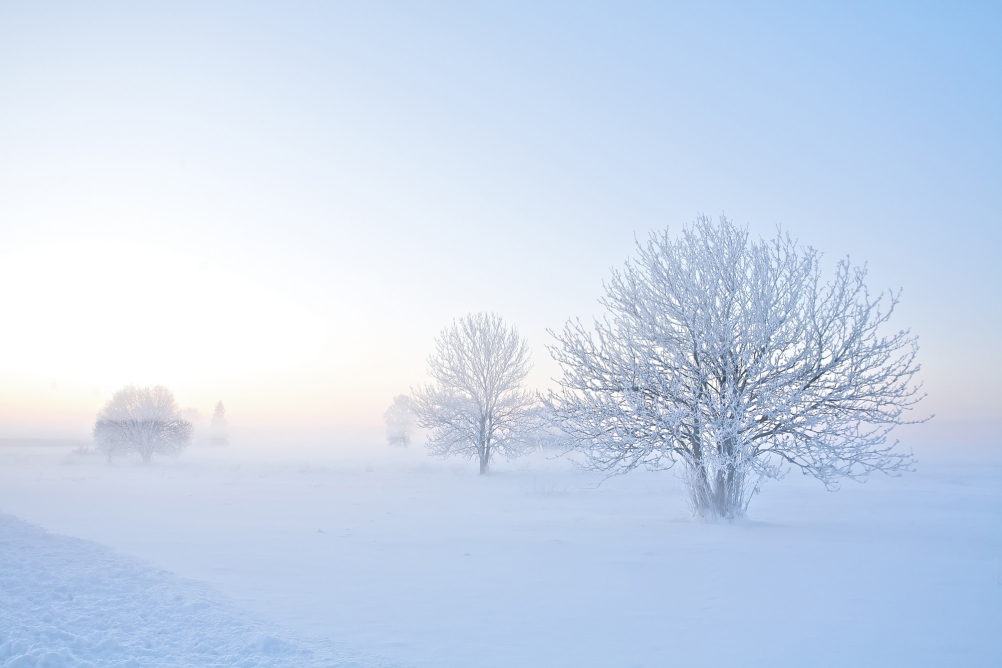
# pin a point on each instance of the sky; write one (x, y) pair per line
(280, 205)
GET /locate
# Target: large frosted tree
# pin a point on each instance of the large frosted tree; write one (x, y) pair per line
(476, 406)
(738, 359)
(143, 420)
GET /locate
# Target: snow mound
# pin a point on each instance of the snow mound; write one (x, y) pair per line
(68, 603)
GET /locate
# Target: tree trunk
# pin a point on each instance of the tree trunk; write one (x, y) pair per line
(716, 495)
(146, 449)
(485, 458)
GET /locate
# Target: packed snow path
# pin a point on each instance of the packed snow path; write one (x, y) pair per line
(69, 602)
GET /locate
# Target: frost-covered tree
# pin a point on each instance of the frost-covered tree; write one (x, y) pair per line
(739, 359)
(194, 416)
(144, 420)
(399, 419)
(218, 427)
(476, 407)
(197, 421)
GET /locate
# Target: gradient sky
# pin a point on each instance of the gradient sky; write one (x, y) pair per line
(281, 205)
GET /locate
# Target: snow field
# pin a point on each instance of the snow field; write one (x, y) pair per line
(424, 563)
(66, 602)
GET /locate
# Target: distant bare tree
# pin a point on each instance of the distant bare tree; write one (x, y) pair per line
(219, 425)
(197, 421)
(477, 408)
(734, 357)
(399, 419)
(194, 416)
(144, 420)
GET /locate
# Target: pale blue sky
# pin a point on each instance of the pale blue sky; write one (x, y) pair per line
(312, 191)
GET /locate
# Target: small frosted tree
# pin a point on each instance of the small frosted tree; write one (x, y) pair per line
(736, 358)
(399, 419)
(476, 407)
(143, 420)
(197, 421)
(218, 427)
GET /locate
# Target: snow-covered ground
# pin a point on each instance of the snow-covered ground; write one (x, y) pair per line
(422, 563)
(66, 602)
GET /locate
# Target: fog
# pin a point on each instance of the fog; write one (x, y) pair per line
(233, 238)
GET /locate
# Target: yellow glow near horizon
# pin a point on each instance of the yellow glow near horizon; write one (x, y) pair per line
(108, 313)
